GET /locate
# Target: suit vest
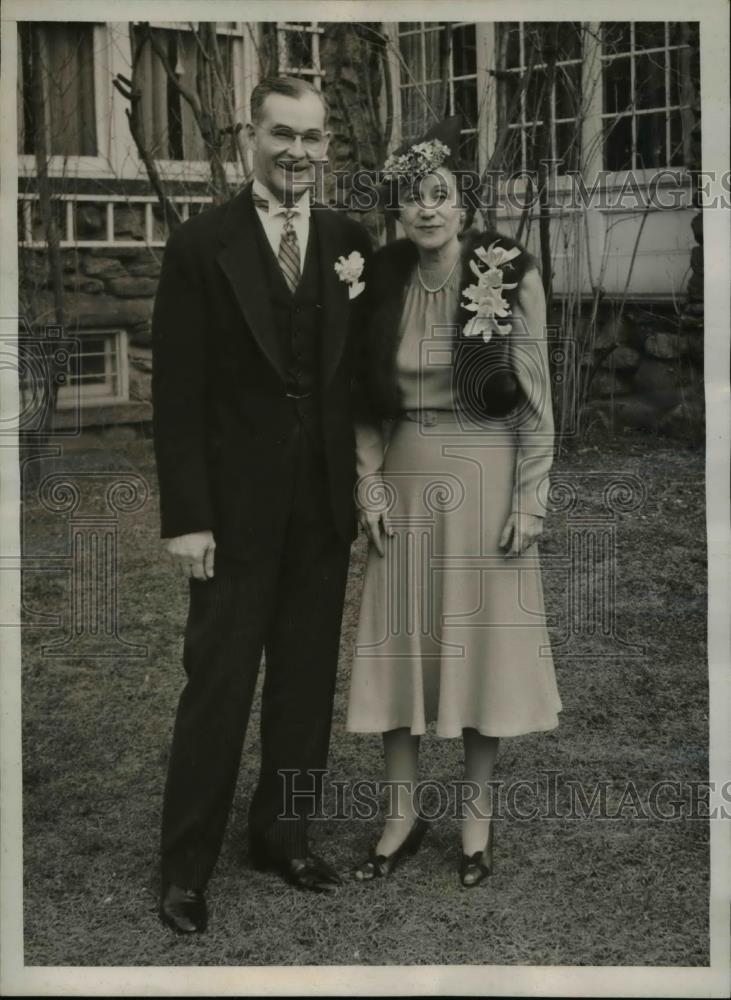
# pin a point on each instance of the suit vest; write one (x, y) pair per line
(297, 322)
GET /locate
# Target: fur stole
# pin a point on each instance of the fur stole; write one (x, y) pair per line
(484, 382)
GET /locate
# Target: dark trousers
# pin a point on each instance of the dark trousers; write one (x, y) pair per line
(288, 604)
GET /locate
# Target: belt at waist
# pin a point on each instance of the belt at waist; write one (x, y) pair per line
(430, 418)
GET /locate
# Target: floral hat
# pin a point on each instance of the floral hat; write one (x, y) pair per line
(438, 146)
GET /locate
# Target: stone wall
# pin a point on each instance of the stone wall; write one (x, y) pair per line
(648, 372)
(105, 289)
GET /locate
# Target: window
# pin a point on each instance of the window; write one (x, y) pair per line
(525, 103)
(438, 77)
(56, 87)
(168, 123)
(292, 49)
(97, 371)
(642, 122)
(87, 220)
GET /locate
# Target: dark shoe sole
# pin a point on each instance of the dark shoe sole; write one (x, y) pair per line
(168, 921)
(262, 863)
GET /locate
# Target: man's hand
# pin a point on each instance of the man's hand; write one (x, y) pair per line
(520, 532)
(193, 554)
(376, 525)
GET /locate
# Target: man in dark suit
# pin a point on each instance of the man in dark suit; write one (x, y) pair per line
(254, 336)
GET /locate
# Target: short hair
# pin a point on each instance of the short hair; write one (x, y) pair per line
(289, 86)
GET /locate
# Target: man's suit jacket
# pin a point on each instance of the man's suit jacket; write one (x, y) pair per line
(222, 419)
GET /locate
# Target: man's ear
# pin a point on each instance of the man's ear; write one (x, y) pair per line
(250, 132)
(328, 136)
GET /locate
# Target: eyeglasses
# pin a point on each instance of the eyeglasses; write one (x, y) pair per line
(282, 138)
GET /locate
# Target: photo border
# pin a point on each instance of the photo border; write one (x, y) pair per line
(712, 981)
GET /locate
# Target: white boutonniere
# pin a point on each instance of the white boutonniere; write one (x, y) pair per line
(349, 269)
(485, 299)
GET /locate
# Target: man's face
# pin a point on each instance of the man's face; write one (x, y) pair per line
(287, 140)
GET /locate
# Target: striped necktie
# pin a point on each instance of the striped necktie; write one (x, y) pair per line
(289, 252)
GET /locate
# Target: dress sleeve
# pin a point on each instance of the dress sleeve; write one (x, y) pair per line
(534, 424)
(369, 453)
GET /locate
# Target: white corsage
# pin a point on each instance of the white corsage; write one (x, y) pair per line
(349, 269)
(485, 299)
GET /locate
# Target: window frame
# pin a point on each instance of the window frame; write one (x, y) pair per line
(68, 240)
(199, 170)
(315, 29)
(71, 396)
(485, 100)
(102, 164)
(524, 125)
(644, 175)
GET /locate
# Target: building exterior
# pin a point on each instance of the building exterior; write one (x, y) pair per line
(612, 110)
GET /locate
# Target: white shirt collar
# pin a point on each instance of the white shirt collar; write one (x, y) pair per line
(301, 206)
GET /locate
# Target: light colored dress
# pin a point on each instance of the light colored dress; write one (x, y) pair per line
(451, 631)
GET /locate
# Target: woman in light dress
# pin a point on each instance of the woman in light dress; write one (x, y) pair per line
(452, 626)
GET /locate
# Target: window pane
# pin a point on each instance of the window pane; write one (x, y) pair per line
(569, 40)
(437, 95)
(617, 85)
(91, 360)
(129, 222)
(465, 101)
(464, 50)
(651, 150)
(618, 144)
(674, 95)
(299, 50)
(224, 97)
(534, 37)
(685, 32)
(412, 67)
(168, 123)
(268, 49)
(414, 113)
(510, 43)
(509, 99)
(26, 120)
(433, 42)
(90, 221)
(615, 37)
(468, 151)
(22, 235)
(38, 229)
(176, 57)
(568, 90)
(677, 156)
(649, 34)
(650, 80)
(67, 68)
(535, 93)
(535, 149)
(568, 141)
(513, 156)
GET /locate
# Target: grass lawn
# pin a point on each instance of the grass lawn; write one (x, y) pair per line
(627, 891)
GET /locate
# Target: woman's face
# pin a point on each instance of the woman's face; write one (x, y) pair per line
(430, 211)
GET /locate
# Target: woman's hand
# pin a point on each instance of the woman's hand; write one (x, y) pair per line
(376, 525)
(520, 532)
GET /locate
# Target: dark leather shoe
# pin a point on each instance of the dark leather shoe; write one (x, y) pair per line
(474, 868)
(307, 872)
(383, 865)
(184, 910)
